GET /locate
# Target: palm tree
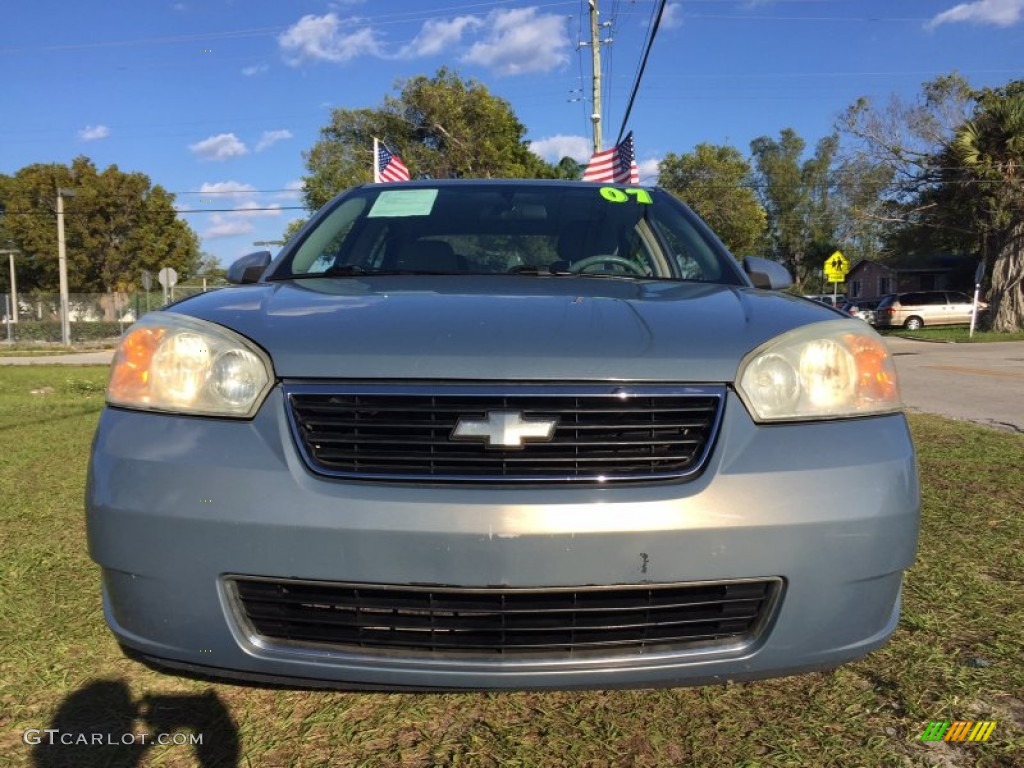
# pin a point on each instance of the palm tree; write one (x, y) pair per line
(988, 161)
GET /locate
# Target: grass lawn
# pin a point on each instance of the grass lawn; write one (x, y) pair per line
(958, 654)
(957, 333)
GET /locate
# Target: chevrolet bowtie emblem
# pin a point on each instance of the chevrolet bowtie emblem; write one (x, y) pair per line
(504, 429)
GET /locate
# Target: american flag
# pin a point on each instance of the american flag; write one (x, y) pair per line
(617, 164)
(390, 166)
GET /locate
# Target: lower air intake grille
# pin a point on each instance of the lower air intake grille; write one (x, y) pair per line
(504, 623)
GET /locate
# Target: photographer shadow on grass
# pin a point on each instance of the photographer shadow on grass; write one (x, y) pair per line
(101, 724)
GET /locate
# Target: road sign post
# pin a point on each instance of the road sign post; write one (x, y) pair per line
(147, 283)
(168, 278)
(979, 275)
(836, 266)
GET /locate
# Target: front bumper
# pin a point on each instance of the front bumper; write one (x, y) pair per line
(176, 505)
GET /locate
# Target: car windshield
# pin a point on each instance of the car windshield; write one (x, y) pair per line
(516, 228)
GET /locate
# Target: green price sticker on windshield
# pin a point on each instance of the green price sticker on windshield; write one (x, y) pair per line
(616, 195)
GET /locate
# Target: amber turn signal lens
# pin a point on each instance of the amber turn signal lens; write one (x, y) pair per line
(130, 371)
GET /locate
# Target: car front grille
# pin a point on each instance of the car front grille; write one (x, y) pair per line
(602, 433)
(505, 623)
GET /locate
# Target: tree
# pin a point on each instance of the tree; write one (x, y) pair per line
(293, 228)
(898, 145)
(957, 162)
(797, 197)
(987, 154)
(210, 266)
(859, 207)
(115, 225)
(441, 127)
(715, 181)
(569, 168)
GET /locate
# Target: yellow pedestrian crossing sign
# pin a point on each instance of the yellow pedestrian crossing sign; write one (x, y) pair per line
(836, 267)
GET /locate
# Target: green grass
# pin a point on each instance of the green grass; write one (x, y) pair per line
(957, 333)
(957, 654)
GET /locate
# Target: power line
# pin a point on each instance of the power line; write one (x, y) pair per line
(579, 59)
(86, 212)
(643, 66)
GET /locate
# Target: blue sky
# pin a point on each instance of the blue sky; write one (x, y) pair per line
(216, 99)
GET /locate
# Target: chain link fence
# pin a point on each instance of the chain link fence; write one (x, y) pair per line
(91, 316)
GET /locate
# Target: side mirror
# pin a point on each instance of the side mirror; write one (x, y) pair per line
(249, 268)
(767, 274)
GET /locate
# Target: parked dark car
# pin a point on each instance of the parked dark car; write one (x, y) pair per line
(496, 435)
(832, 300)
(863, 309)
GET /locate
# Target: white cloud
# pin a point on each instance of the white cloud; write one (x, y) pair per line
(1001, 13)
(554, 148)
(255, 69)
(219, 147)
(227, 189)
(253, 209)
(321, 38)
(239, 220)
(226, 226)
(93, 132)
(272, 137)
(648, 170)
(521, 41)
(673, 16)
(293, 190)
(436, 35)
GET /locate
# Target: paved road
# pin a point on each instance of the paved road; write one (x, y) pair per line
(983, 383)
(103, 357)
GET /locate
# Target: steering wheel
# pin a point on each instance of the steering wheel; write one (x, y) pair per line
(631, 266)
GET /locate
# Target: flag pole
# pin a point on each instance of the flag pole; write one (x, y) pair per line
(376, 154)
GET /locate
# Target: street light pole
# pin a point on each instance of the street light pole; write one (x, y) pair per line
(14, 287)
(65, 325)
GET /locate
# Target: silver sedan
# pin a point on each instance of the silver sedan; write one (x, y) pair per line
(501, 435)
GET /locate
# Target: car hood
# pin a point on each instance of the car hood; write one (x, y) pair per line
(504, 327)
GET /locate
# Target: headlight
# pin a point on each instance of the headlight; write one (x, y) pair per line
(827, 370)
(171, 362)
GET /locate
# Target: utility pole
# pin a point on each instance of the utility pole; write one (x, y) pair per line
(595, 52)
(62, 262)
(14, 288)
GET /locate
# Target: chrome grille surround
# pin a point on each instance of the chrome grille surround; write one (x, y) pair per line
(610, 433)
